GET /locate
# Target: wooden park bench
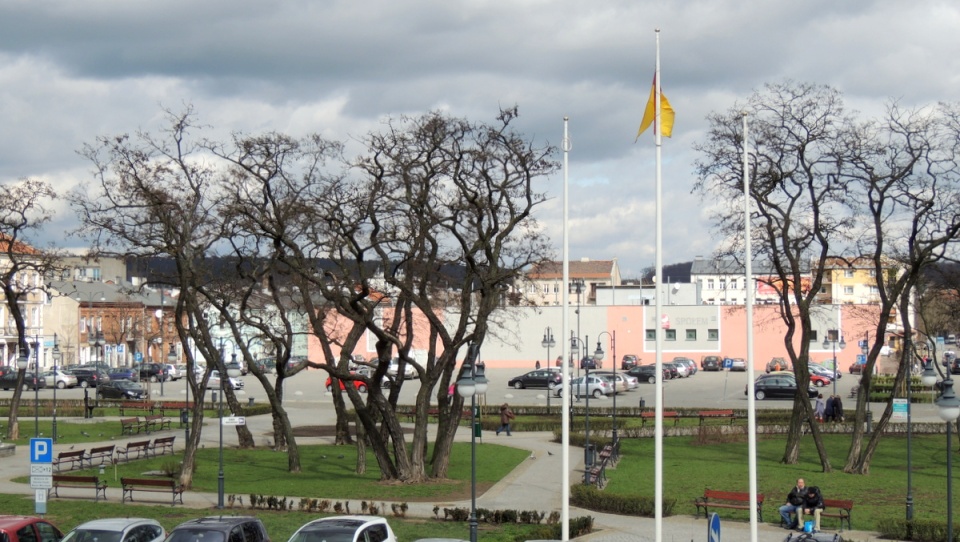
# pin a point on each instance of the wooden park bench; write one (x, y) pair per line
(156, 485)
(173, 409)
(651, 415)
(67, 480)
(156, 422)
(141, 448)
(835, 508)
(102, 455)
(596, 476)
(71, 459)
(716, 414)
(162, 445)
(129, 426)
(727, 499)
(136, 407)
(610, 455)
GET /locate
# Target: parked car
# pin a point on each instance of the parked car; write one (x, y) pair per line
(409, 372)
(778, 364)
(266, 366)
(236, 366)
(220, 529)
(124, 373)
(61, 379)
(672, 368)
(688, 363)
(955, 367)
(541, 378)
(121, 389)
(629, 361)
(30, 381)
(28, 529)
(711, 363)
(647, 373)
(214, 382)
(154, 372)
(825, 370)
(345, 529)
(683, 371)
(856, 368)
(359, 384)
(588, 363)
(777, 385)
(738, 364)
(89, 376)
(587, 385)
(625, 382)
(117, 530)
(173, 373)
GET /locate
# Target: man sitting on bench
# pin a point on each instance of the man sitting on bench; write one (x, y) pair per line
(812, 504)
(794, 505)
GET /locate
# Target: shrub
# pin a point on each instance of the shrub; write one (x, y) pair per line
(633, 505)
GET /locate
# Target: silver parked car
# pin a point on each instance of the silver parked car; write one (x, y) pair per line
(596, 386)
(117, 530)
(625, 382)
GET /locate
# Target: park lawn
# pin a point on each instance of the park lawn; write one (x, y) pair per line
(689, 468)
(68, 513)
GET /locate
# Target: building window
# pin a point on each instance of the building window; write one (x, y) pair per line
(713, 334)
(813, 336)
(874, 290)
(733, 284)
(651, 334)
(848, 290)
(691, 334)
(848, 273)
(671, 335)
(873, 273)
(546, 289)
(709, 284)
(723, 284)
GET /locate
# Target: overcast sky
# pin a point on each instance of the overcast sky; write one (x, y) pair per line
(72, 70)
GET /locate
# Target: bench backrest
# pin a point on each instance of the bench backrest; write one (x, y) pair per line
(157, 482)
(67, 455)
(102, 449)
(837, 503)
(163, 440)
(716, 413)
(730, 495)
(71, 478)
(138, 444)
(125, 421)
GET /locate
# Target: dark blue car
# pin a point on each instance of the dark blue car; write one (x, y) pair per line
(124, 373)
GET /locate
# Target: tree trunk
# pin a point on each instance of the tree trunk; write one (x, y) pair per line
(340, 407)
(13, 424)
(244, 438)
(190, 447)
(361, 448)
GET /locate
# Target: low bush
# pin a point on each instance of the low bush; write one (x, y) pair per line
(587, 496)
(915, 531)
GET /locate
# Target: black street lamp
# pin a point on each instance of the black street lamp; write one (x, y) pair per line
(827, 342)
(36, 386)
(470, 385)
(949, 411)
(576, 287)
(23, 361)
(220, 478)
(598, 356)
(57, 358)
(548, 342)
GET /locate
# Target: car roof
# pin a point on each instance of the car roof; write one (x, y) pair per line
(115, 524)
(16, 522)
(215, 522)
(346, 522)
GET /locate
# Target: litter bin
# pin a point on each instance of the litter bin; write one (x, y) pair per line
(250, 402)
(643, 403)
(589, 455)
(184, 416)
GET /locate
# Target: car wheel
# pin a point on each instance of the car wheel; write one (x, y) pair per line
(329, 388)
(759, 394)
(153, 378)
(362, 388)
(84, 384)
(652, 380)
(61, 385)
(818, 383)
(26, 387)
(559, 392)
(518, 385)
(597, 394)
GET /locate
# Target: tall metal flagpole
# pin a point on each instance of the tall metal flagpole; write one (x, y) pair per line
(751, 412)
(565, 325)
(658, 432)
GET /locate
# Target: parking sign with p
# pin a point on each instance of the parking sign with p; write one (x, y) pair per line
(41, 450)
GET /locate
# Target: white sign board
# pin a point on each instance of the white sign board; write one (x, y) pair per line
(41, 482)
(900, 408)
(234, 420)
(40, 496)
(41, 469)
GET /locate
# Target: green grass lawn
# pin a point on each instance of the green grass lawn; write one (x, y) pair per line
(689, 468)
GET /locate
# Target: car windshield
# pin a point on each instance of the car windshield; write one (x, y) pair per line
(195, 535)
(87, 535)
(329, 534)
(127, 385)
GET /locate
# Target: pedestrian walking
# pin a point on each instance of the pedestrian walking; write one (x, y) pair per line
(505, 416)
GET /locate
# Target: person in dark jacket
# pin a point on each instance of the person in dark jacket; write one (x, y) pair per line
(505, 416)
(794, 505)
(812, 504)
(828, 409)
(837, 408)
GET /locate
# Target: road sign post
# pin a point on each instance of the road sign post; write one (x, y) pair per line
(41, 472)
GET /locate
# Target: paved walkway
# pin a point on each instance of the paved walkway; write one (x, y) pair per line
(533, 485)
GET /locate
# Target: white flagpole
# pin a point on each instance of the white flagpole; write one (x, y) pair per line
(658, 432)
(564, 326)
(751, 404)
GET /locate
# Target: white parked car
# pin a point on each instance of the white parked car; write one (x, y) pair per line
(117, 530)
(214, 383)
(63, 380)
(625, 382)
(409, 373)
(345, 529)
(173, 372)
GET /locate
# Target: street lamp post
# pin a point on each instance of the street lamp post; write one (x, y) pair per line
(184, 417)
(36, 386)
(23, 361)
(576, 287)
(95, 339)
(949, 411)
(827, 342)
(57, 358)
(220, 479)
(598, 355)
(470, 386)
(547, 342)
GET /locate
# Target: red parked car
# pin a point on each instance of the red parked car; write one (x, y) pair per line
(359, 384)
(28, 529)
